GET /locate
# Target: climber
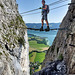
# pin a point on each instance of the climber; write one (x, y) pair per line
(45, 11)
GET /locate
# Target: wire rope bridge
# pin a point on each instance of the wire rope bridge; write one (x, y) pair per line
(54, 3)
(50, 29)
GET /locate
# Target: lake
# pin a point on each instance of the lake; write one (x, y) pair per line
(50, 36)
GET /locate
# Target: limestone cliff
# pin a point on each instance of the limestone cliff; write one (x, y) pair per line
(63, 46)
(14, 59)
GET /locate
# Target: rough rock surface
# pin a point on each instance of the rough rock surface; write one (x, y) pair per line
(64, 43)
(14, 59)
(53, 68)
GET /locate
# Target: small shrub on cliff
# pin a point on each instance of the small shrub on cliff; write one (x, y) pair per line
(60, 57)
(0, 29)
(0, 46)
(68, 35)
(19, 18)
(21, 40)
(1, 5)
(52, 48)
(0, 53)
(4, 26)
(12, 22)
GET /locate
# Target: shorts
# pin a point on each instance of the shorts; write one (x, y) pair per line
(44, 17)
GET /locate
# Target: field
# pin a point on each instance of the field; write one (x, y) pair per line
(36, 46)
(37, 57)
(37, 51)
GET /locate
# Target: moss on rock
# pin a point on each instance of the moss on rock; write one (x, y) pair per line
(60, 57)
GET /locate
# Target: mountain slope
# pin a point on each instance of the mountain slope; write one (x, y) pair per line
(14, 59)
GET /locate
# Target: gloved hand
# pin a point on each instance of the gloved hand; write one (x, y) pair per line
(40, 8)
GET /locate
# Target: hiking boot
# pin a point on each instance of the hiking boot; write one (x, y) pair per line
(41, 29)
(47, 29)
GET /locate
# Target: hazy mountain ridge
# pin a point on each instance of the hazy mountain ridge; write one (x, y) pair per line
(38, 25)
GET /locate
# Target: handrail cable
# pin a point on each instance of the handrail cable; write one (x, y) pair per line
(60, 1)
(50, 9)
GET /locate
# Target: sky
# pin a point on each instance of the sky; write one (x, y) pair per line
(54, 16)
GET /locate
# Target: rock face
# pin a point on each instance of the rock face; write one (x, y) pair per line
(14, 52)
(63, 46)
(53, 68)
